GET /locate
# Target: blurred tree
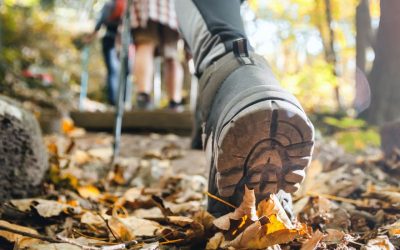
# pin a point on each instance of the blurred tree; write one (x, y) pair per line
(315, 49)
(364, 35)
(329, 48)
(385, 74)
(47, 4)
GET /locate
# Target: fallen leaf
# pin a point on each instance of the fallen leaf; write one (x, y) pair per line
(333, 236)
(57, 246)
(180, 220)
(154, 212)
(67, 125)
(104, 153)
(267, 226)
(91, 219)
(387, 196)
(140, 227)
(312, 243)
(256, 236)
(23, 241)
(160, 204)
(379, 243)
(215, 242)
(204, 218)
(132, 194)
(81, 157)
(89, 191)
(45, 208)
(247, 208)
(393, 229)
(120, 230)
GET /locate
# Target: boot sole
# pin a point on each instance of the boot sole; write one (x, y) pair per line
(267, 147)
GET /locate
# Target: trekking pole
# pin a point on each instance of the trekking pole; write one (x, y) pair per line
(124, 57)
(84, 76)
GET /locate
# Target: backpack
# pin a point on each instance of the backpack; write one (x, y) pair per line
(118, 11)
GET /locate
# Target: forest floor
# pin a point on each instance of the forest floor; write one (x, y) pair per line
(155, 197)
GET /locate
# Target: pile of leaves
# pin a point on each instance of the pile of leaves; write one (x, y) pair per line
(148, 201)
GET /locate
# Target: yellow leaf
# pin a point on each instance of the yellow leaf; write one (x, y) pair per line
(52, 148)
(246, 208)
(67, 125)
(89, 191)
(268, 226)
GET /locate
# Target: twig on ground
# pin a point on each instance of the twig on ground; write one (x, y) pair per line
(109, 228)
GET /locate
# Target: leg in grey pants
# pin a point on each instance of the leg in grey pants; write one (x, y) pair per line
(209, 27)
(256, 133)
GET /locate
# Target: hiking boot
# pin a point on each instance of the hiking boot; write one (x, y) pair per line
(255, 132)
(143, 101)
(176, 106)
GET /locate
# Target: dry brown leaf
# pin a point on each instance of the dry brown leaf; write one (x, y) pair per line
(247, 208)
(132, 194)
(45, 208)
(22, 205)
(104, 153)
(204, 218)
(317, 209)
(190, 206)
(387, 196)
(215, 242)
(153, 212)
(180, 220)
(312, 243)
(394, 229)
(260, 235)
(379, 243)
(22, 241)
(120, 230)
(267, 226)
(56, 246)
(133, 226)
(92, 219)
(81, 157)
(334, 236)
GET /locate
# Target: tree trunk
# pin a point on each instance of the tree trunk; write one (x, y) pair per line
(330, 53)
(363, 28)
(385, 74)
(23, 157)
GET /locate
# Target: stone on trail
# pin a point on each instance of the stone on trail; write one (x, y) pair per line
(23, 155)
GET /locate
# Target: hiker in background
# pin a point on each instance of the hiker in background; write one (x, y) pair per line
(110, 17)
(154, 26)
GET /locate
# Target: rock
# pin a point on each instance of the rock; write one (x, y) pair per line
(23, 156)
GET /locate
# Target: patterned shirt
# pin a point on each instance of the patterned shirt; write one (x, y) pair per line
(160, 11)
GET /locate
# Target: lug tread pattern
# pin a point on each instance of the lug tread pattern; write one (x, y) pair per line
(267, 147)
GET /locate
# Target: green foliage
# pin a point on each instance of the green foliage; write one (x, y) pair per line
(358, 140)
(345, 123)
(32, 40)
(353, 134)
(313, 84)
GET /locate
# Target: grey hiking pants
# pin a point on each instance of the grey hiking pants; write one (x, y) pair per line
(209, 27)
